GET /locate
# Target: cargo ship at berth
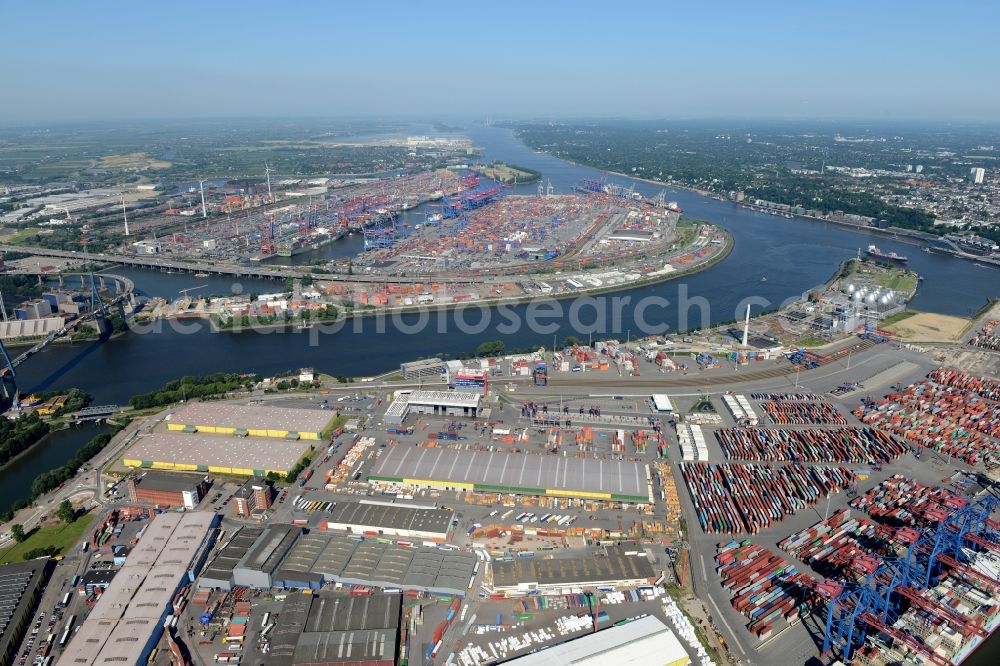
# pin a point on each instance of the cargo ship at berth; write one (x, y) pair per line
(291, 246)
(887, 257)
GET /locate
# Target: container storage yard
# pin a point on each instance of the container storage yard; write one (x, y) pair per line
(744, 499)
(765, 588)
(255, 231)
(951, 412)
(988, 337)
(844, 445)
(525, 500)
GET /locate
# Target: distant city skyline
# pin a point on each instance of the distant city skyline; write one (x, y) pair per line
(847, 60)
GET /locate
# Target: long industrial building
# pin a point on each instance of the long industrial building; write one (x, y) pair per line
(640, 642)
(239, 456)
(218, 574)
(337, 629)
(127, 622)
(220, 418)
(560, 575)
(20, 591)
(390, 519)
(521, 473)
(286, 556)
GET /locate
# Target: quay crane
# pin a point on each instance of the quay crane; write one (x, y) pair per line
(878, 600)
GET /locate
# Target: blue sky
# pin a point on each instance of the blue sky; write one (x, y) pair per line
(799, 59)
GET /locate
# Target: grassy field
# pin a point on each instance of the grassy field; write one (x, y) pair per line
(896, 318)
(132, 161)
(63, 536)
(899, 281)
(507, 173)
(22, 236)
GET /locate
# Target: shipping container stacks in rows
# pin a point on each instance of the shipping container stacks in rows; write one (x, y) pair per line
(691, 439)
(766, 588)
(744, 499)
(843, 445)
(845, 546)
(900, 501)
(954, 413)
(781, 410)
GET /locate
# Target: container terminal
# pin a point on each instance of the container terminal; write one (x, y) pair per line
(766, 507)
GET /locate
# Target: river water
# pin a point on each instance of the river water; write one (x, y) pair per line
(53, 451)
(793, 256)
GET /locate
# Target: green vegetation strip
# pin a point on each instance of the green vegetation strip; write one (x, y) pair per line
(896, 318)
(483, 487)
(19, 435)
(185, 388)
(55, 538)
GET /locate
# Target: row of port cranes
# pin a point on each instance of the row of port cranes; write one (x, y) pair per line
(884, 606)
(602, 186)
(483, 232)
(256, 233)
(380, 227)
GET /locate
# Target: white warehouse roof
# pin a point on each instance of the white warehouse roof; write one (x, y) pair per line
(662, 403)
(632, 644)
(445, 398)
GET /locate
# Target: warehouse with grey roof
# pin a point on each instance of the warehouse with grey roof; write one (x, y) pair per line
(218, 574)
(126, 622)
(239, 456)
(331, 558)
(20, 591)
(257, 567)
(390, 519)
(616, 568)
(336, 628)
(441, 403)
(220, 418)
(508, 472)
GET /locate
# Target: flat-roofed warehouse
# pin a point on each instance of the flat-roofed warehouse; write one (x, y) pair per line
(632, 644)
(218, 574)
(257, 567)
(126, 622)
(319, 558)
(254, 420)
(521, 473)
(565, 573)
(167, 490)
(431, 367)
(331, 628)
(20, 591)
(241, 456)
(390, 519)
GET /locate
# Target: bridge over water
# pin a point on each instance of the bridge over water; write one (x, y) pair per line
(99, 313)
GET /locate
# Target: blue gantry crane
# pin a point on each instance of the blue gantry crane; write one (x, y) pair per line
(380, 232)
(877, 601)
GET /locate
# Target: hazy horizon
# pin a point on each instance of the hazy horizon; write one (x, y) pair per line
(918, 61)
